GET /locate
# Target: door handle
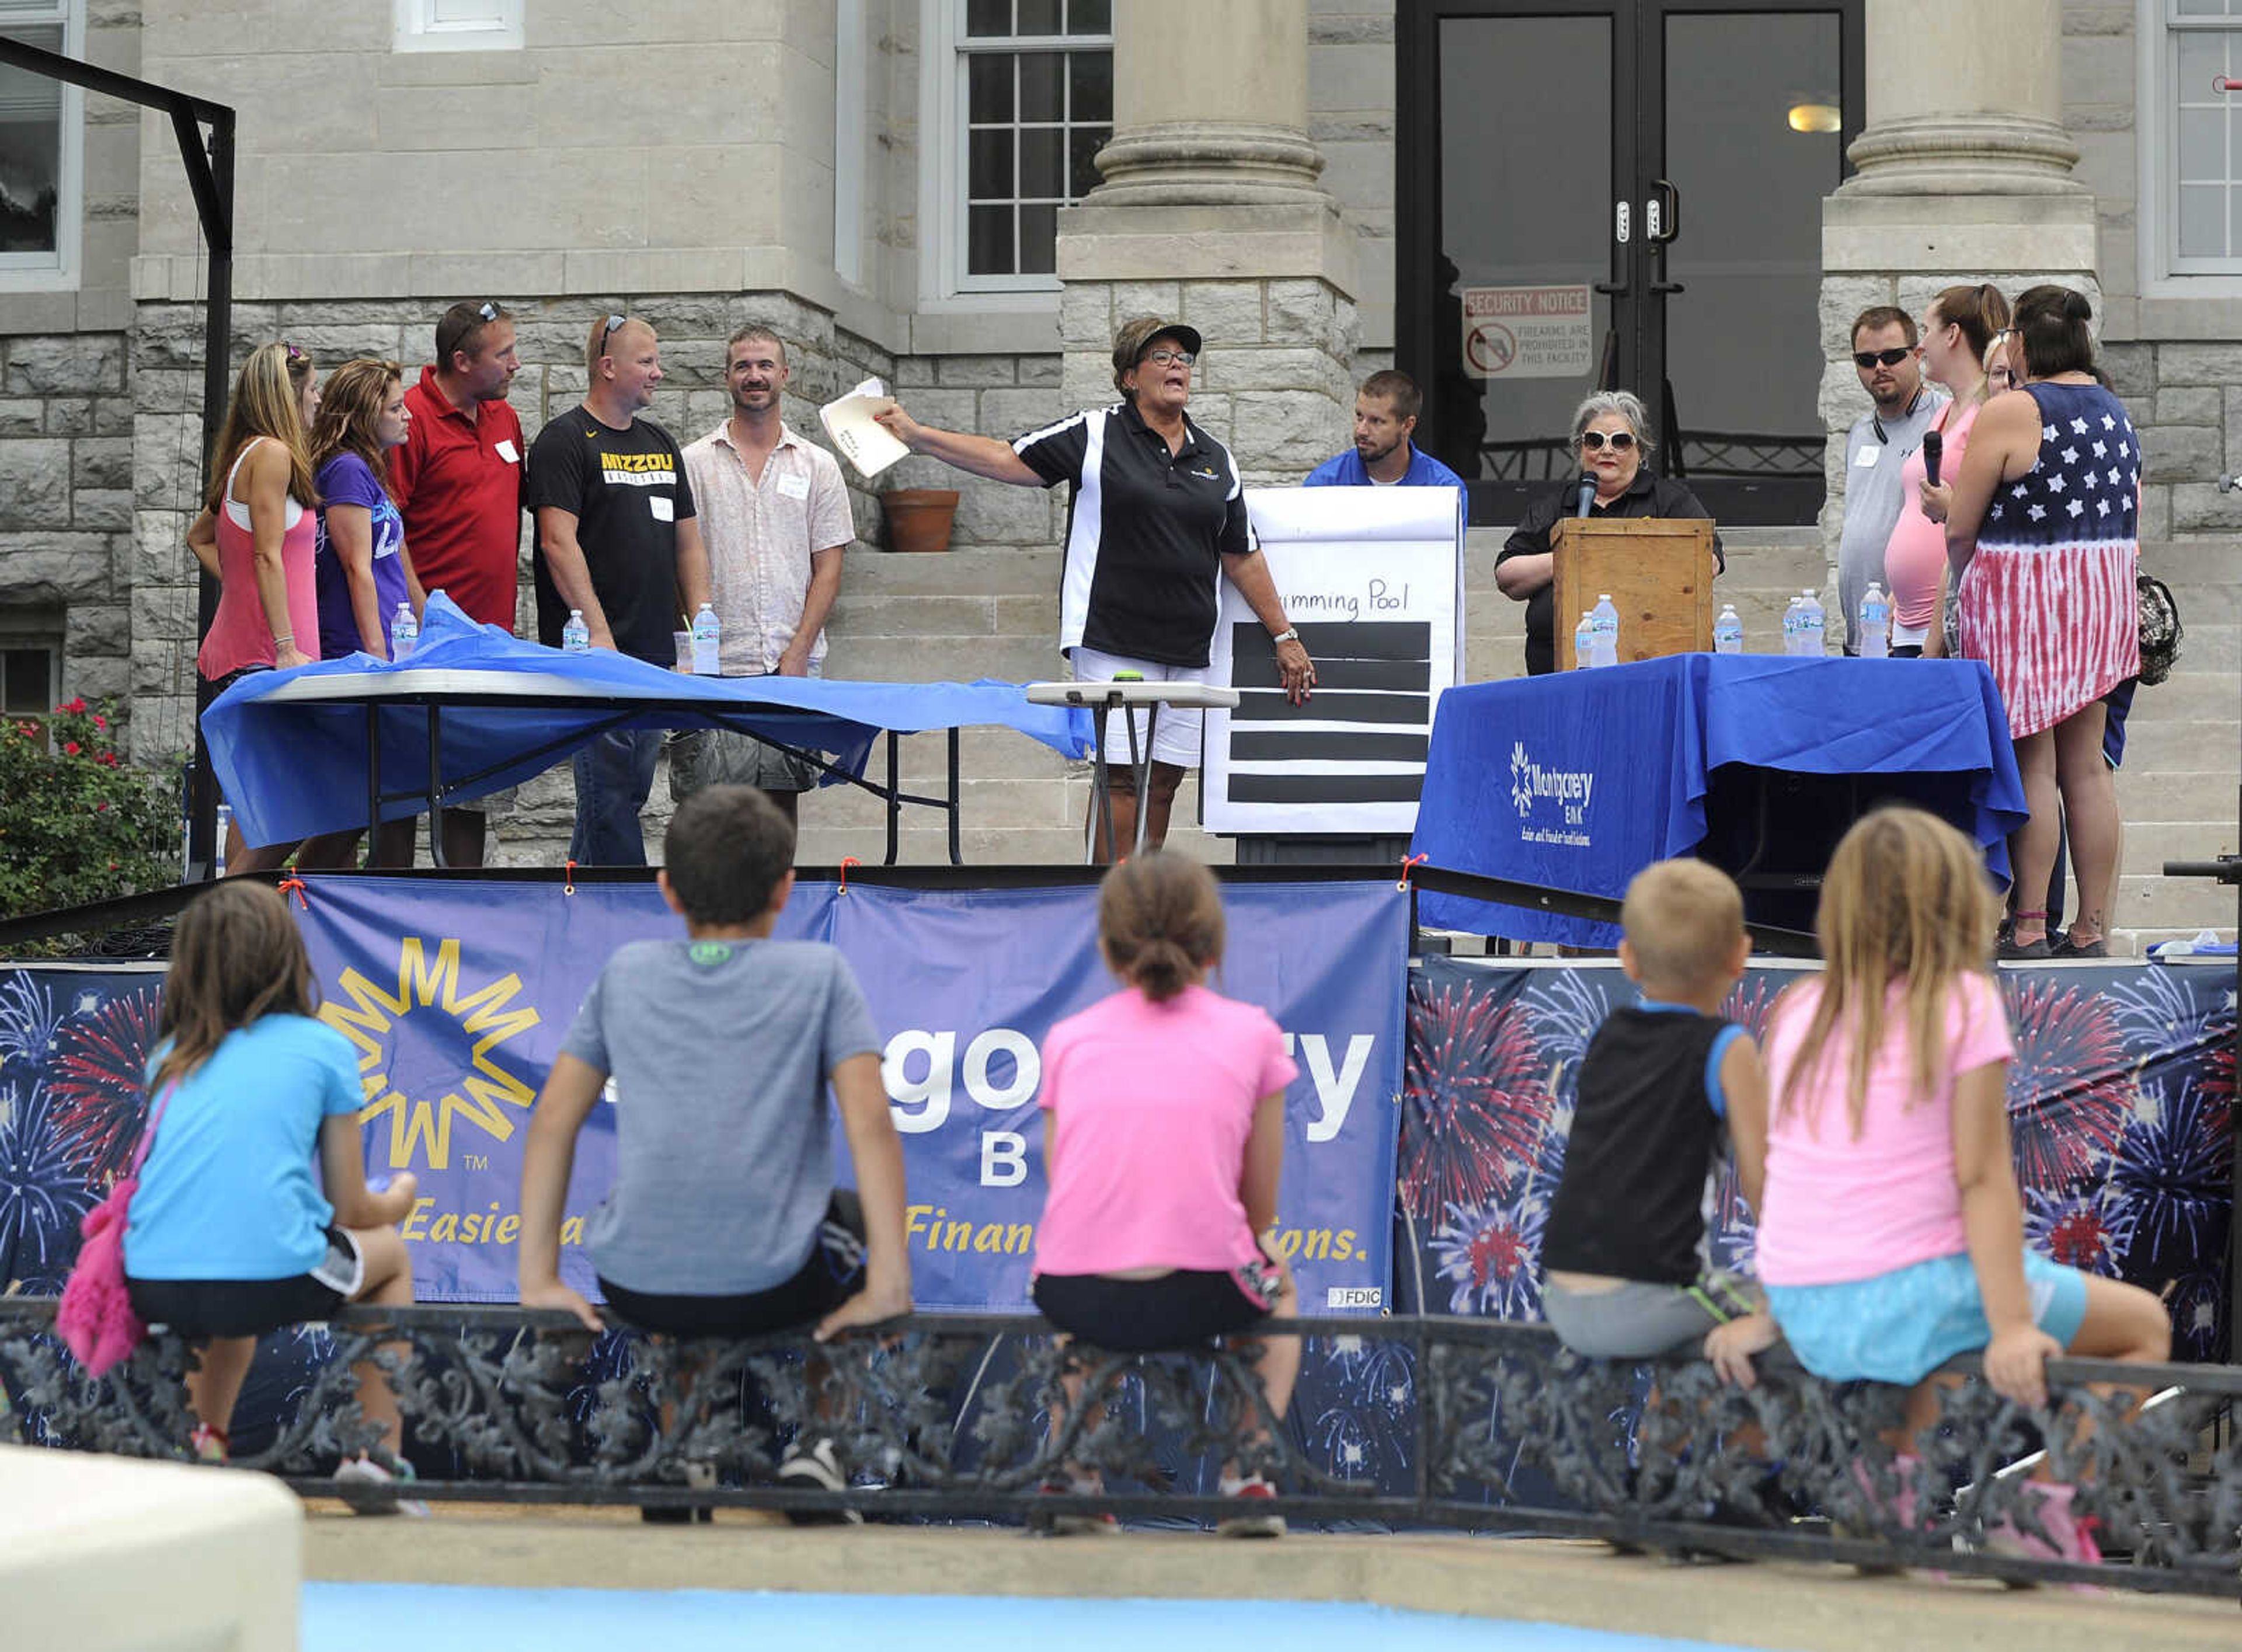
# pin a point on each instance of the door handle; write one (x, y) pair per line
(1662, 288)
(1661, 212)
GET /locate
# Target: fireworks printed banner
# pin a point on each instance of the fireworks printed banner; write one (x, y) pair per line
(2120, 1109)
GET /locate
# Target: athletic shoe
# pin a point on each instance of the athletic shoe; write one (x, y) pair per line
(814, 1468)
(1054, 1525)
(2070, 1536)
(206, 1445)
(1261, 1523)
(355, 1480)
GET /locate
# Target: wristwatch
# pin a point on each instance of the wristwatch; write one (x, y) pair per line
(1290, 634)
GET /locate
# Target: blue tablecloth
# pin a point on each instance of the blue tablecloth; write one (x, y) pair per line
(1579, 779)
(291, 767)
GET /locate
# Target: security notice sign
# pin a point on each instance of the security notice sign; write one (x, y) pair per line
(1528, 333)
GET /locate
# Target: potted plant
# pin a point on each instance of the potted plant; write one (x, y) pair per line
(919, 519)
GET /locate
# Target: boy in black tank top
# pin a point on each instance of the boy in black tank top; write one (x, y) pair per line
(1625, 1278)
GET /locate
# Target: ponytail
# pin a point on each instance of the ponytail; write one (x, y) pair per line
(1159, 920)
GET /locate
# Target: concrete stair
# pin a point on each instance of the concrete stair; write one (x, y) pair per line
(970, 613)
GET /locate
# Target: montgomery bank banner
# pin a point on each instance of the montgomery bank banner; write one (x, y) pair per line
(457, 1003)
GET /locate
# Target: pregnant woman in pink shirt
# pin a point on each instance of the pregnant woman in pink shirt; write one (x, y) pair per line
(1959, 330)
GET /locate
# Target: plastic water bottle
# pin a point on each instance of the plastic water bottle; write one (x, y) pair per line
(1729, 631)
(404, 633)
(1584, 643)
(707, 633)
(1812, 625)
(575, 636)
(1605, 618)
(1876, 623)
(1790, 627)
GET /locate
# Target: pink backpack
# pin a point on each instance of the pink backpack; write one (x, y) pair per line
(96, 1318)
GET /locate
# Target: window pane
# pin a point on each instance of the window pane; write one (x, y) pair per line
(991, 172)
(2202, 145)
(2202, 8)
(1043, 169)
(1083, 142)
(1042, 89)
(1038, 240)
(989, 17)
(1090, 74)
(2202, 59)
(989, 89)
(989, 240)
(23, 681)
(30, 150)
(2202, 221)
(1039, 16)
(1089, 16)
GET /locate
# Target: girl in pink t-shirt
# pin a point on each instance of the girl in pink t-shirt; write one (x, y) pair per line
(1164, 1136)
(1887, 1074)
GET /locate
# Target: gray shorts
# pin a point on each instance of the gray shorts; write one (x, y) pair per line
(700, 757)
(1641, 1321)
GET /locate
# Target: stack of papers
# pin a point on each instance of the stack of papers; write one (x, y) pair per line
(860, 438)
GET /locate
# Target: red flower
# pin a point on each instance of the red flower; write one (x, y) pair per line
(74, 707)
(69, 748)
(100, 722)
(109, 759)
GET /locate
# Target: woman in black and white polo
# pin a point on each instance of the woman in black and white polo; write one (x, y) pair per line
(1158, 514)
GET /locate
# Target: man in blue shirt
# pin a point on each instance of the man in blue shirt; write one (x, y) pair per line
(1385, 411)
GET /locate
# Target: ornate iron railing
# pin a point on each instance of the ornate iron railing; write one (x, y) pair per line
(1498, 1428)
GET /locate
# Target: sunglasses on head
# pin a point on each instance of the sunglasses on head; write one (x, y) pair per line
(1891, 357)
(1595, 441)
(607, 331)
(489, 311)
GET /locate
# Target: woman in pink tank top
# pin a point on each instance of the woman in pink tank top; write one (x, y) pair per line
(1959, 331)
(256, 537)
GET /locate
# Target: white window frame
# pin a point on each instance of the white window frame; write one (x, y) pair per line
(944, 53)
(494, 25)
(56, 272)
(2164, 272)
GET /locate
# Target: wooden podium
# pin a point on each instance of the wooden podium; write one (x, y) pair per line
(1658, 571)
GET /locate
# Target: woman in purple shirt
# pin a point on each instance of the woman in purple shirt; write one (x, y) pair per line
(363, 571)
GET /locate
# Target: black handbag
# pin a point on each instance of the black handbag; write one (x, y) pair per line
(2161, 631)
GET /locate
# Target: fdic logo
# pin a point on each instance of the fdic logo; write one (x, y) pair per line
(427, 1051)
(1529, 782)
(1354, 1296)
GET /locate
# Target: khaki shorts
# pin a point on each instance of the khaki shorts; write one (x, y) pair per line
(702, 757)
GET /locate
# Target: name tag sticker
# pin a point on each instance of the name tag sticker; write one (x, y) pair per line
(1866, 459)
(794, 487)
(508, 451)
(659, 505)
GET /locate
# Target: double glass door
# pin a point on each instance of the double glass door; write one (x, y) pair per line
(1622, 194)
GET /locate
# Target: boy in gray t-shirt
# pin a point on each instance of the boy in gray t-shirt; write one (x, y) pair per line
(723, 1219)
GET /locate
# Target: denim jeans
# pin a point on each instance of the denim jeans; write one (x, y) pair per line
(613, 775)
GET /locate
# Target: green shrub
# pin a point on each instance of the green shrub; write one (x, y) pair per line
(77, 821)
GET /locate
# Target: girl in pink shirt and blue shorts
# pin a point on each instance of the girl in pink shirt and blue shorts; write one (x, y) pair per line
(1888, 1073)
(1163, 1141)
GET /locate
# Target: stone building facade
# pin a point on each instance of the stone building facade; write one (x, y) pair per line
(706, 161)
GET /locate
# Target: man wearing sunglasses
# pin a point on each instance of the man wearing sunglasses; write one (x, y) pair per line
(1891, 372)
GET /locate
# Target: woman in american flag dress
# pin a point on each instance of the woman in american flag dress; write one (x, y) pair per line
(2043, 529)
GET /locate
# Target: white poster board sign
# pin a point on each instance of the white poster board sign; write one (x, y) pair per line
(1528, 333)
(1373, 578)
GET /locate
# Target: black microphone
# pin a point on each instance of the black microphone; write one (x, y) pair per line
(1933, 445)
(1587, 495)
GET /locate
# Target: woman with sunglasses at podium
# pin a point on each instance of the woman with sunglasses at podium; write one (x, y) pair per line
(1611, 441)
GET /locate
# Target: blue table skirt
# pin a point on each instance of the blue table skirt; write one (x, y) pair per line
(1579, 779)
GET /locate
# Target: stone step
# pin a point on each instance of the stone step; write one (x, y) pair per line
(2177, 795)
(2157, 742)
(2178, 904)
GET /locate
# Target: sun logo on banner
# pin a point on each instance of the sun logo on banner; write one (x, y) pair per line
(426, 1050)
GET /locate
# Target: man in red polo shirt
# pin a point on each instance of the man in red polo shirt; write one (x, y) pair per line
(459, 483)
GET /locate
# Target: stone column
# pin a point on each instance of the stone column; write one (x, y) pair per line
(1964, 174)
(1210, 213)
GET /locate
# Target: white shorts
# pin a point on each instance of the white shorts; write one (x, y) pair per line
(1176, 737)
